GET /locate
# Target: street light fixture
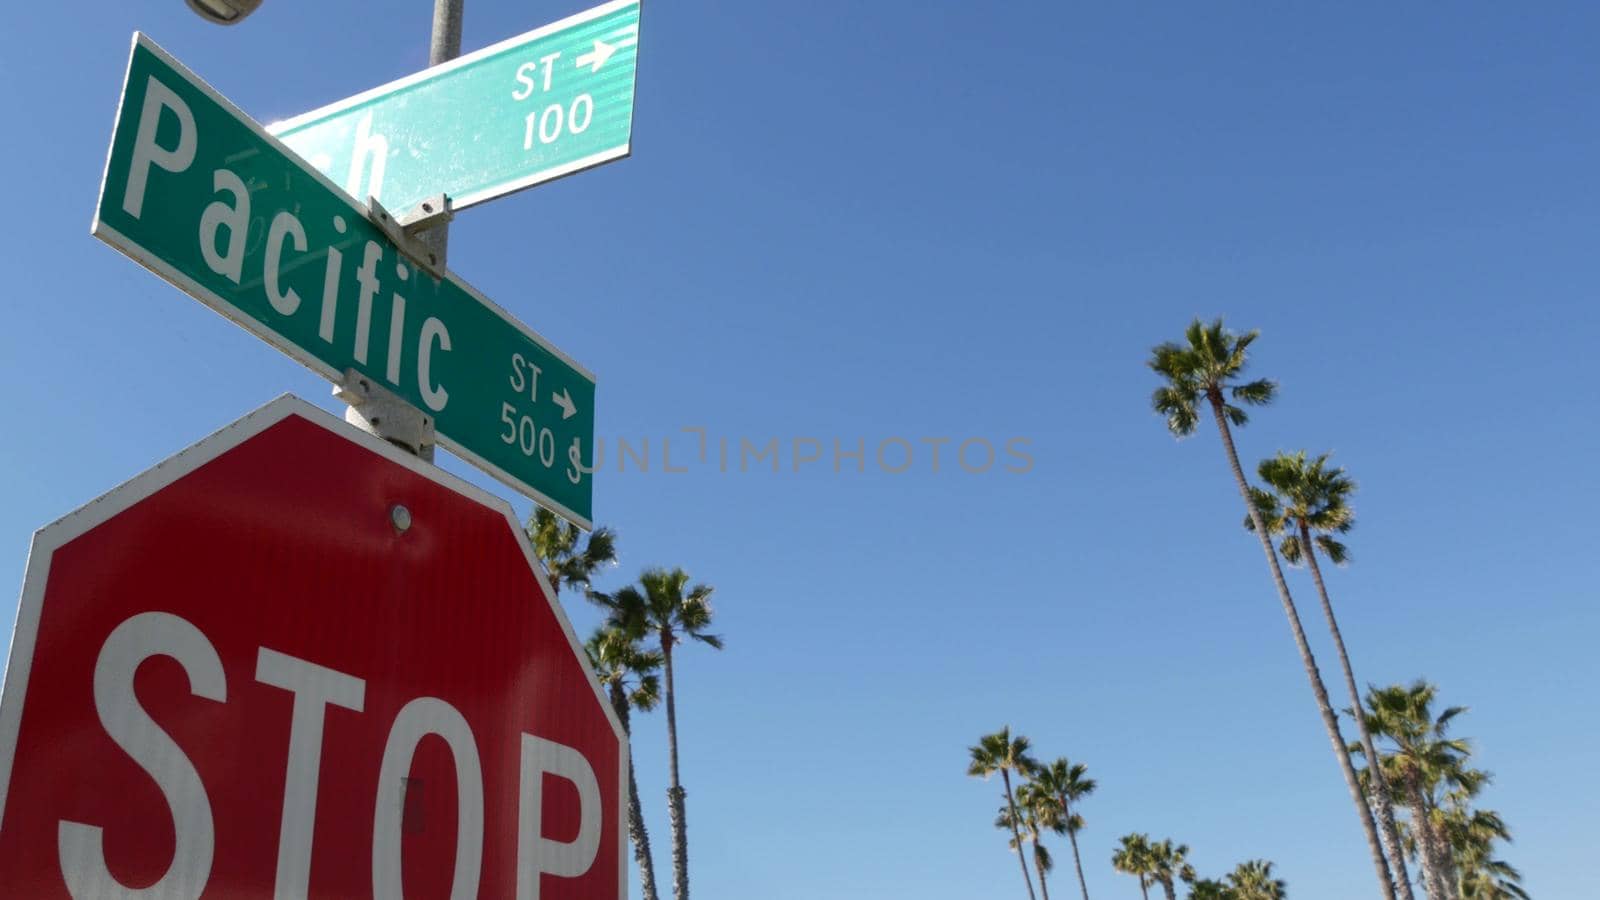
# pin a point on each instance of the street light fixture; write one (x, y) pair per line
(224, 12)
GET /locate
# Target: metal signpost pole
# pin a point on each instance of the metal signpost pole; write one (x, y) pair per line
(443, 46)
(376, 410)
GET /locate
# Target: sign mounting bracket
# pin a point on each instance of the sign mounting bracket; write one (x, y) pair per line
(378, 410)
(436, 210)
(429, 213)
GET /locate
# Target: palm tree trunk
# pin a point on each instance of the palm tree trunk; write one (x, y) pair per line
(1382, 803)
(1038, 866)
(1166, 886)
(680, 837)
(1342, 753)
(1447, 862)
(1433, 880)
(1076, 861)
(1443, 854)
(636, 828)
(1016, 835)
(1144, 887)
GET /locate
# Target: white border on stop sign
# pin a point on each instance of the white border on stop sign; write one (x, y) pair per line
(47, 539)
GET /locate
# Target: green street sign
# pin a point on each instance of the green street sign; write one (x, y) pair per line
(548, 103)
(204, 197)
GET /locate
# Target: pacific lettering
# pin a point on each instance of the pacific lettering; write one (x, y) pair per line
(235, 217)
(146, 152)
(433, 335)
(270, 257)
(284, 227)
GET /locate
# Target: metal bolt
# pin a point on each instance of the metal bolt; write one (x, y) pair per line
(400, 518)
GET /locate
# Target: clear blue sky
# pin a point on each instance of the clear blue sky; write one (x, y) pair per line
(941, 219)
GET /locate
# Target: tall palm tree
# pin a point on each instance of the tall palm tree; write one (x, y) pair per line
(570, 559)
(629, 673)
(1207, 367)
(1132, 857)
(666, 605)
(1424, 761)
(1253, 881)
(1000, 752)
(1067, 783)
(1169, 862)
(1307, 503)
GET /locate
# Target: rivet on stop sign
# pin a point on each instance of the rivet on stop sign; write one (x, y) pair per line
(400, 517)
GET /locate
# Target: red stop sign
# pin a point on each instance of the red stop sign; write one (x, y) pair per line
(294, 662)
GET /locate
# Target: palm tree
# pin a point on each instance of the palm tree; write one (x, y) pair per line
(1423, 761)
(1132, 857)
(1067, 783)
(1000, 752)
(1306, 499)
(1253, 881)
(557, 544)
(1207, 367)
(1169, 862)
(628, 672)
(665, 604)
(1209, 889)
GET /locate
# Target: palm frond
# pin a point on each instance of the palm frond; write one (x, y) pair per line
(670, 607)
(647, 694)
(1266, 504)
(991, 754)
(1335, 551)
(556, 543)
(1446, 717)
(1177, 405)
(1042, 858)
(1290, 548)
(1206, 364)
(1260, 392)
(1172, 361)
(1312, 497)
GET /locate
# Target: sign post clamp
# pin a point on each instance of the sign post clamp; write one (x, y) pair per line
(405, 232)
(379, 411)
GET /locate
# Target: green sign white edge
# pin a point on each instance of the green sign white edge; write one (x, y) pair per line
(428, 74)
(155, 264)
